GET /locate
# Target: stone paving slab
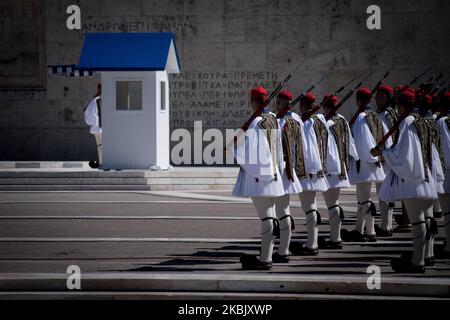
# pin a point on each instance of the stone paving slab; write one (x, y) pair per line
(133, 240)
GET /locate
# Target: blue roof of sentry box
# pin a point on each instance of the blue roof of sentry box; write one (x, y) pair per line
(149, 51)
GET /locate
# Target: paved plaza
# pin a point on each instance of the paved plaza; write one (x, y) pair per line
(178, 244)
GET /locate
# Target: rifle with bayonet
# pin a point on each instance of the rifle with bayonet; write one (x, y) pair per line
(374, 90)
(258, 112)
(350, 93)
(296, 100)
(438, 87)
(308, 114)
(392, 99)
(401, 118)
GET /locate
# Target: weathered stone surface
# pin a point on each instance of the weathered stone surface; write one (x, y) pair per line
(71, 114)
(225, 47)
(58, 8)
(267, 29)
(330, 6)
(11, 8)
(8, 113)
(18, 144)
(286, 7)
(62, 88)
(249, 7)
(204, 56)
(204, 7)
(57, 31)
(34, 113)
(171, 7)
(66, 144)
(234, 29)
(281, 56)
(245, 56)
(123, 8)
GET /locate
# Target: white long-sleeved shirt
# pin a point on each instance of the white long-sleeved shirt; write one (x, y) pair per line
(290, 187)
(334, 179)
(257, 172)
(407, 178)
(364, 141)
(313, 163)
(445, 148)
(91, 116)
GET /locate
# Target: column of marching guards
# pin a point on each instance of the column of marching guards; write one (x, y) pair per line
(303, 153)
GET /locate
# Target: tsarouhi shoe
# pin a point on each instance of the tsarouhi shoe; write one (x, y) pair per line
(251, 262)
(333, 245)
(278, 258)
(356, 236)
(299, 249)
(94, 164)
(328, 244)
(403, 228)
(383, 233)
(429, 262)
(402, 265)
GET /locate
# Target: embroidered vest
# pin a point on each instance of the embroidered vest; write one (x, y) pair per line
(341, 136)
(293, 149)
(435, 138)
(322, 142)
(425, 142)
(375, 127)
(270, 125)
(392, 117)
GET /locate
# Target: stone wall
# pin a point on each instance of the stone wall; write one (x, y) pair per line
(225, 47)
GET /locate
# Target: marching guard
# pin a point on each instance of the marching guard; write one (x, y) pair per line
(340, 132)
(260, 158)
(424, 102)
(388, 117)
(410, 179)
(318, 162)
(444, 197)
(367, 131)
(309, 153)
(292, 143)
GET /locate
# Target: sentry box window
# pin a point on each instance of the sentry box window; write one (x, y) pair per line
(128, 95)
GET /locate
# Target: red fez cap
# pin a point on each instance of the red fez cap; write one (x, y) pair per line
(447, 95)
(330, 99)
(428, 100)
(412, 91)
(259, 92)
(285, 95)
(364, 93)
(309, 98)
(445, 98)
(406, 97)
(385, 89)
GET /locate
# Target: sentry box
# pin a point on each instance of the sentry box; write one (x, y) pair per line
(134, 70)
